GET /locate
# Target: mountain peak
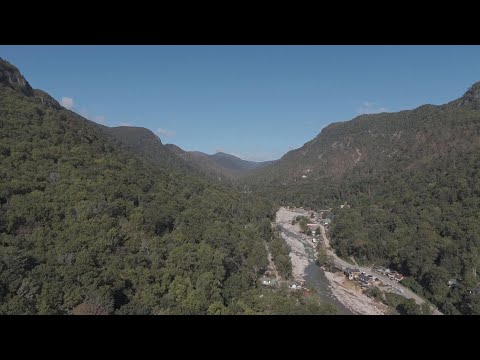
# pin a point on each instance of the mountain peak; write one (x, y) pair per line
(11, 77)
(471, 97)
(137, 134)
(223, 154)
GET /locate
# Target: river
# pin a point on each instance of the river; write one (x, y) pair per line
(315, 279)
(304, 264)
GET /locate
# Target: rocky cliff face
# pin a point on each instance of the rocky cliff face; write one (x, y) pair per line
(10, 77)
(470, 98)
(46, 99)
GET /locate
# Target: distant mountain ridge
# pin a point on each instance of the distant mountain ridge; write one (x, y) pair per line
(234, 163)
(148, 145)
(145, 143)
(219, 164)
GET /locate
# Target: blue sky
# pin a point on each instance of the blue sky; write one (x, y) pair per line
(256, 102)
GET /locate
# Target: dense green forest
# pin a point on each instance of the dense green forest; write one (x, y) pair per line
(426, 224)
(412, 183)
(87, 226)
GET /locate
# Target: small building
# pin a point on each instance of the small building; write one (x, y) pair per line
(453, 283)
(398, 277)
(394, 275)
(382, 270)
(379, 269)
(352, 274)
(344, 205)
(364, 279)
(475, 291)
(269, 282)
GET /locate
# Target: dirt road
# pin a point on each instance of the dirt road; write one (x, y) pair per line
(395, 286)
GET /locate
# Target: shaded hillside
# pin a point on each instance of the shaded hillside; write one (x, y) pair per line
(352, 157)
(147, 145)
(88, 226)
(220, 165)
(372, 144)
(412, 182)
(236, 164)
(202, 163)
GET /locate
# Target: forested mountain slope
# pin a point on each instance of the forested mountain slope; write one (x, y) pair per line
(87, 226)
(204, 164)
(147, 145)
(236, 164)
(412, 181)
(377, 143)
(219, 165)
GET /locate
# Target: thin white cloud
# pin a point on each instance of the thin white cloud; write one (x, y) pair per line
(67, 102)
(125, 124)
(219, 149)
(368, 107)
(165, 132)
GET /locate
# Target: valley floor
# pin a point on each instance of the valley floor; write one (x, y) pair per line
(347, 292)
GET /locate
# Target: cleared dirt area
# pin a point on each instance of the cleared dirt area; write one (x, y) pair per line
(350, 295)
(291, 233)
(303, 253)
